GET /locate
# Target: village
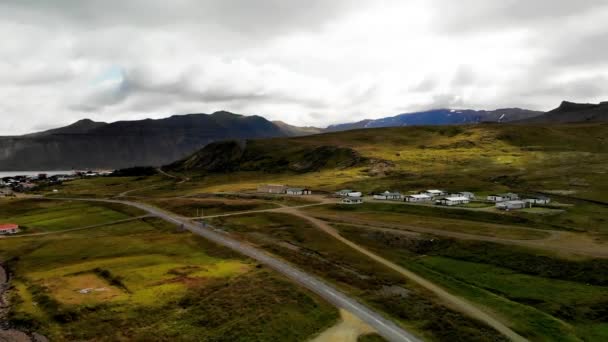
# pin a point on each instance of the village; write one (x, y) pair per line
(10, 186)
(501, 201)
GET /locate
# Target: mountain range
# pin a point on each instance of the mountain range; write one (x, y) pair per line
(87, 144)
(441, 117)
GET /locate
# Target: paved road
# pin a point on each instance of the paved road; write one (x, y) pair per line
(384, 327)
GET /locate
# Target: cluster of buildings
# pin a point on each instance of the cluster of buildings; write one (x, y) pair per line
(507, 201)
(12, 184)
(283, 189)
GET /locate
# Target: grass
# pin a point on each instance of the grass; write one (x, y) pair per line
(403, 216)
(154, 283)
(103, 187)
(298, 242)
(544, 297)
(35, 215)
(204, 206)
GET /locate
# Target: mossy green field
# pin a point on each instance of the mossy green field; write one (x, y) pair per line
(148, 281)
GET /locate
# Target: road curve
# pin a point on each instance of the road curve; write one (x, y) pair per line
(384, 327)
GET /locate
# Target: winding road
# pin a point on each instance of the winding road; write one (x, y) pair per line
(384, 327)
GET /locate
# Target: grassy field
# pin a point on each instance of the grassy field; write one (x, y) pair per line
(103, 187)
(449, 220)
(303, 245)
(190, 207)
(475, 158)
(144, 280)
(545, 297)
(35, 215)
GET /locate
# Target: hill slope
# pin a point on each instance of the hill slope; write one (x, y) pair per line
(88, 144)
(569, 112)
(489, 157)
(440, 117)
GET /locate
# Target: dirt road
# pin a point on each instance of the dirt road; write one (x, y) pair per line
(458, 303)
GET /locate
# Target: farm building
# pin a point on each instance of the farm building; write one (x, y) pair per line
(354, 194)
(417, 198)
(512, 205)
(343, 193)
(387, 195)
(509, 196)
(298, 191)
(434, 193)
(453, 200)
(272, 188)
(538, 200)
(9, 228)
(352, 200)
(466, 194)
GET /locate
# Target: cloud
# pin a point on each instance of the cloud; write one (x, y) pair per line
(307, 63)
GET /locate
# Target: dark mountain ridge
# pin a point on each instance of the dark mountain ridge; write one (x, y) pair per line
(570, 112)
(89, 144)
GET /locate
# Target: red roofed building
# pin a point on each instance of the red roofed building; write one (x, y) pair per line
(9, 228)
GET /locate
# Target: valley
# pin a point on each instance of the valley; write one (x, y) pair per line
(468, 272)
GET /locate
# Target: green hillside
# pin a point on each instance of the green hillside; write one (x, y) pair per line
(567, 159)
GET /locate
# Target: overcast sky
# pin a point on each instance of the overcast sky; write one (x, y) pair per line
(313, 62)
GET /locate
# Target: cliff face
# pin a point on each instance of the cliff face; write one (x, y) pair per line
(128, 143)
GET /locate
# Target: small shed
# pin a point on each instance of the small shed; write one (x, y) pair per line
(343, 193)
(352, 200)
(511, 205)
(417, 198)
(298, 191)
(272, 188)
(9, 228)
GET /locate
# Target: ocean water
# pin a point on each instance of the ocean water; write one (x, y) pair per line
(32, 173)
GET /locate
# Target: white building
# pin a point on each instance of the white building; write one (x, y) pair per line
(387, 195)
(343, 193)
(466, 194)
(512, 205)
(354, 194)
(417, 198)
(509, 196)
(352, 200)
(542, 200)
(298, 191)
(7, 229)
(450, 201)
(434, 193)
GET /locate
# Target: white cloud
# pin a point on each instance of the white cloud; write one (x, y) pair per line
(306, 63)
